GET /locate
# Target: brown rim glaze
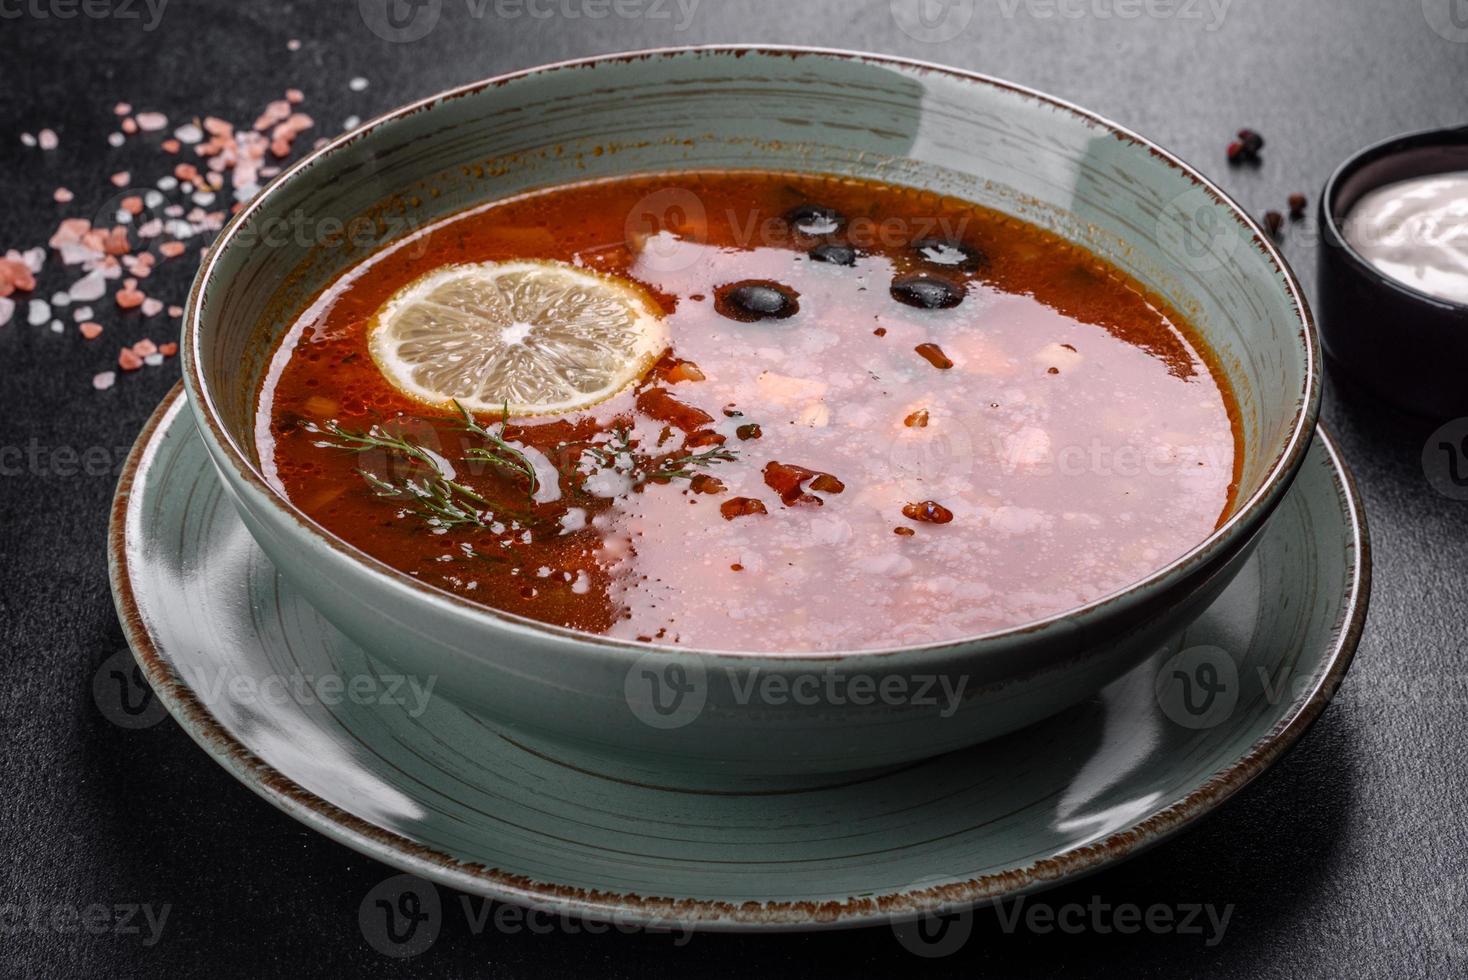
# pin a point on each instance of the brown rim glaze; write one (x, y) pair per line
(394, 849)
(1213, 550)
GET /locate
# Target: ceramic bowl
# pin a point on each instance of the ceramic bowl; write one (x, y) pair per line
(1396, 342)
(699, 716)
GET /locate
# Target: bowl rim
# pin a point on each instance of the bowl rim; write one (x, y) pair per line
(1335, 230)
(1246, 518)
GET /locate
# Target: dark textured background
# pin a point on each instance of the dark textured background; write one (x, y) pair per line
(1347, 859)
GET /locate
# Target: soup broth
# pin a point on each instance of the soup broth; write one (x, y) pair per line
(880, 418)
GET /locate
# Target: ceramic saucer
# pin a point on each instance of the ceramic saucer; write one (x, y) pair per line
(305, 719)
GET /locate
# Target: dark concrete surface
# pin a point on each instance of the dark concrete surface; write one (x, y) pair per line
(1348, 859)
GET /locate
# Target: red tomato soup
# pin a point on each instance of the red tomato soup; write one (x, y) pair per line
(882, 418)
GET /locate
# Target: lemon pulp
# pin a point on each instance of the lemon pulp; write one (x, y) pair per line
(533, 337)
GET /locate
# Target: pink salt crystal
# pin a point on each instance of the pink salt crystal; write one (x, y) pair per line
(122, 109)
(62, 196)
(76, 253)
(15, 275)
(152, 122)
(152, 307)
(47, 139)
(121, 178)
(293, 45)
(217, 126)
(89, 287)
(127, 360)
(145, 347)
(31, 258)
(117, 243)
(91, 329)
(169, 349)
(175, 312)
(295, 96)
(129, 125)
(7, 310)
(129, 297)
(170, 146)
(171, 250)
(274, 112)
(104, 380)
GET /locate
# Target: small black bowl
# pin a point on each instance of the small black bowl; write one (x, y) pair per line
(1396, 342)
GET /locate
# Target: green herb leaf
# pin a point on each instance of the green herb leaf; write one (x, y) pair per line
(434, 496)
(682, 467)
(617, 454)
(498, 453)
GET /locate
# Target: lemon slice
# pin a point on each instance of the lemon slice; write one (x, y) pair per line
(537, 336)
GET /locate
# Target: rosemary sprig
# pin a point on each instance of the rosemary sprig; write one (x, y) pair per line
(498, 453)
(434, 496)
(434, 499)
(430, 491)
(609, 454)
(374, 438)
(680, 468)
(606, 454)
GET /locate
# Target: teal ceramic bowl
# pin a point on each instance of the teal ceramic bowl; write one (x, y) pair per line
(687, 716)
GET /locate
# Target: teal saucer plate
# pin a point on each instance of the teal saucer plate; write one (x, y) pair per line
(391, 767)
